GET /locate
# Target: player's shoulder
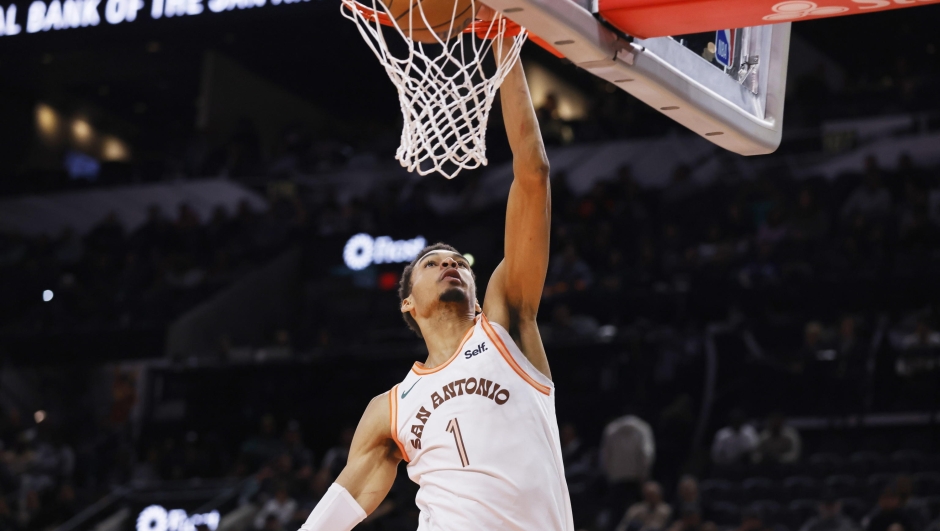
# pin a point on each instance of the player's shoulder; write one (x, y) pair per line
(374, 426)
(378, 409)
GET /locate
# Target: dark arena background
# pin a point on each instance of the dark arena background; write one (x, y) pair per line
(202, 230)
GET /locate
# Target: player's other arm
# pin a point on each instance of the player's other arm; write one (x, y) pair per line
(515, 289)
(367, 477)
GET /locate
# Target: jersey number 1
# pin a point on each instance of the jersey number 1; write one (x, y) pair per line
(454, 428)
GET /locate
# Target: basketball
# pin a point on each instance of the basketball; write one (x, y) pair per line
(438, 13)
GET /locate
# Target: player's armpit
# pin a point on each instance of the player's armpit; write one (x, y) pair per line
(373, 457)
(501, 306)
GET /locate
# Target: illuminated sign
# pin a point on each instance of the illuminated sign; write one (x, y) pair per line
(156, 518)
(363, 250)
(42, 15)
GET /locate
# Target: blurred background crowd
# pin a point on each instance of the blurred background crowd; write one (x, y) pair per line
(825, 289)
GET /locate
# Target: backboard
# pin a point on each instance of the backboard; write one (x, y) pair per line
(739, 107)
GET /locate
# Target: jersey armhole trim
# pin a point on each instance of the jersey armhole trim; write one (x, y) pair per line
(501, 347)
(393, 417)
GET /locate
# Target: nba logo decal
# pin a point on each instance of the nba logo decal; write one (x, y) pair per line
(724, 48)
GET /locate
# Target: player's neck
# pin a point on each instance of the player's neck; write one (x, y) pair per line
(445, 329)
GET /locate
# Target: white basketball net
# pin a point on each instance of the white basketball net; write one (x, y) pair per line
(444, 92)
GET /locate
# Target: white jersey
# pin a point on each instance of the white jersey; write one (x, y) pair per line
(481, 439)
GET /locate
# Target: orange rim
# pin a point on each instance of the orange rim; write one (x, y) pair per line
(483, 28)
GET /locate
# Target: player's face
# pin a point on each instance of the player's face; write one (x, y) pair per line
(442, 276)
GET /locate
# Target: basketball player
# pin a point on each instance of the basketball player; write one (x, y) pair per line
(476, 421)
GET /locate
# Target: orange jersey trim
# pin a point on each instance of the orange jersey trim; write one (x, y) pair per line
(419, 367)
(393, 417)
(501, 347)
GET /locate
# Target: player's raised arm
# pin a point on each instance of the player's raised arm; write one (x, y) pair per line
(367, 477)
(515, 289)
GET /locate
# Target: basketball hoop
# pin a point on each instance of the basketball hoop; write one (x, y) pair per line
(444, 91)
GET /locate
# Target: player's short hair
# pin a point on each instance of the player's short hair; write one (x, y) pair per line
(404, 285)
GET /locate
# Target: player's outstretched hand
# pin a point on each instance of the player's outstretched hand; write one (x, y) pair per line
(486, 13)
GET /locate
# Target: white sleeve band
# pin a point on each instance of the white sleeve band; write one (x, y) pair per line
(337, 511)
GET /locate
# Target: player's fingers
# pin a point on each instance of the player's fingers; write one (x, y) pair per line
(486, 13)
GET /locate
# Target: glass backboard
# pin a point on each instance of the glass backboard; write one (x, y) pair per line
(738, 106)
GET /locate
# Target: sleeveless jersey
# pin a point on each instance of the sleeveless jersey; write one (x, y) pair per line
(481, 439)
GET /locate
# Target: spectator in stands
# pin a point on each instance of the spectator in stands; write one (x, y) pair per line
(916, 509)
(688, 505)
(850, 349)
(808, 222)
(922, 338)
(282, 507)
(629, 209)
(58, 508)
(613, 272)
(283, 472)
(774, 228)
(627, 454)
(778, 443)
(918, 349)
(264, 446)
(567, 273)
(107, 236)
(651, 514)
(871, 200)
(917, 233)
(813, 344)
(576, 455)
(713, 248)
(301, 456)
(735, 442)
(7, 519)
(752, 520)
(597, 207)
(566, 327)
(29, 514)
(680, 188)
(888, 512)
(578, 459)
(555, 130)
(153, 233)
(736, 225)
(689, 518)
(676, 424)
(148, 469)
(830, 517)
(762, 269)
(672, 248)
(335, 458)
(69, 247)
(933, 203)
(271, 523)
(687, 496)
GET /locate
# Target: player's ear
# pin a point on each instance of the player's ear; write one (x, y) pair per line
(408, 304)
